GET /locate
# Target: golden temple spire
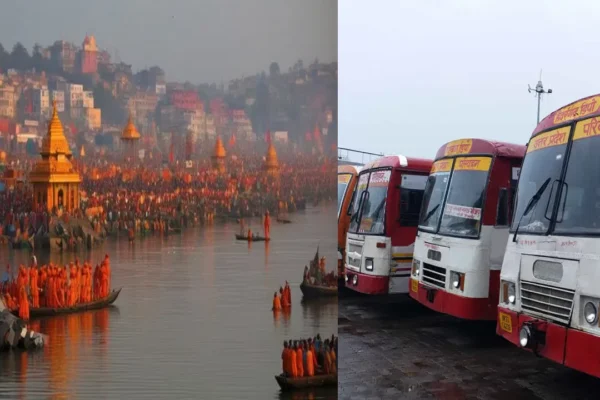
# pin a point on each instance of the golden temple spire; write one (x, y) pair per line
(271, 159)
(219, 149)
(130, 132)
(55, 141)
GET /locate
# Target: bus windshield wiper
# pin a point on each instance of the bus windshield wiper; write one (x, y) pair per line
(532, 202)
(430, 213)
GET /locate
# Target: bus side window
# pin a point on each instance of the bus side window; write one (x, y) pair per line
(351, 203)
(503, 209)
(410, 207)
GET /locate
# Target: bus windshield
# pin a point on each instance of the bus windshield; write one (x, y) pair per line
(343, 182)
(457, 212)
(579, 211)
(543, 161)
(371, 218)
(435, 191)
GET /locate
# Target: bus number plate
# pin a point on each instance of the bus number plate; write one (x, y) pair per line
(505, 322)
(414, 285)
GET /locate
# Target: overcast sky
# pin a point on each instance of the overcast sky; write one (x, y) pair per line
(195, 40)
(416, 75)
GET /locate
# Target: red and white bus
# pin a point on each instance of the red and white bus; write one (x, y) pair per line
(383, 224)
(347, 177)
(550, 279)
(463, 227)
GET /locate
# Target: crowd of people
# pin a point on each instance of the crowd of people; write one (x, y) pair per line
(309, 357)
(283, 301)
(152, 197)
(55, 286)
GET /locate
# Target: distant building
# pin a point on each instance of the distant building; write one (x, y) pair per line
(88, 56)
(41, 102)
(7, 102)
(93, 118)
(63, 55)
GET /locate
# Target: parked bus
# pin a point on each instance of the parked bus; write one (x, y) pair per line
(463, 227)
(347, 177)
(383, 224)
(550, 286)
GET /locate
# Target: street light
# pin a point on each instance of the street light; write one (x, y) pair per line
(539, 91)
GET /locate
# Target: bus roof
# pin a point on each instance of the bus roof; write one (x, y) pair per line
(481, 146)
(402, 162)
(580, 109)
(348, 169)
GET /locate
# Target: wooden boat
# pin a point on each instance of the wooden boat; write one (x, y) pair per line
(312, 291)
(254, 238)
(306, 382)
(93, 305)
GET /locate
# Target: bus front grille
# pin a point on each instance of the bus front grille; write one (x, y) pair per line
(433, 275)
(547, 301)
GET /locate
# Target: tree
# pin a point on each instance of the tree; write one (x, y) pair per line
(37, 59)
(274, 70)
(19, 57)
(4, 57)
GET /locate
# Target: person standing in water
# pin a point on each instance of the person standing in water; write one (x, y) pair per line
(267, 225)
(276, 303)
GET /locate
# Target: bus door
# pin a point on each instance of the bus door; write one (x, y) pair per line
(404, 231)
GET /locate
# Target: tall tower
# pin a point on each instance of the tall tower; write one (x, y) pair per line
(271, 162)
(89, 56)
(218, 157)
(55, 180)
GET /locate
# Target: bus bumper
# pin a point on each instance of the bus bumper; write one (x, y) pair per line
(367, 284)
(567, 346)
(449, 303)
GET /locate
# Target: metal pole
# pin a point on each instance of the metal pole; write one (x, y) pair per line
(538, 113)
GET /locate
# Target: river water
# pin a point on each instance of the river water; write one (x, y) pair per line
(193, 321)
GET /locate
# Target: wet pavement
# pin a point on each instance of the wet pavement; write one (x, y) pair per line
(394, 348)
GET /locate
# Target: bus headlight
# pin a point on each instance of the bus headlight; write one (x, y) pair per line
(355, 280)
(456, 278)
(590, 312)
(345, 277)
(416, 267)
(509, 292)
(369, 264)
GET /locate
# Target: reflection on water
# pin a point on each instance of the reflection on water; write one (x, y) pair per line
(194, 312)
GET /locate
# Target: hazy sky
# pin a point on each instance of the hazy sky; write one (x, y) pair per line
(417, 74)
(195, 40)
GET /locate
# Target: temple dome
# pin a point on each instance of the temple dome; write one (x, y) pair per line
(130, 132)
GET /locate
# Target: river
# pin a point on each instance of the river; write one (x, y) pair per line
(193, 321)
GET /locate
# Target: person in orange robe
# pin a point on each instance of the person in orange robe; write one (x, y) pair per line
(288, 293)
(267, 225)
(103, 281)
(299, 361)
(276, 303)
(293, 363)
(35, 293)
(108, 271)
(326, 359)
(310, 368)
(333, 358)
(95, 279)
(23, 304)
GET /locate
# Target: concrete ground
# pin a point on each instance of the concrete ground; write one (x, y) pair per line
(394, 348)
